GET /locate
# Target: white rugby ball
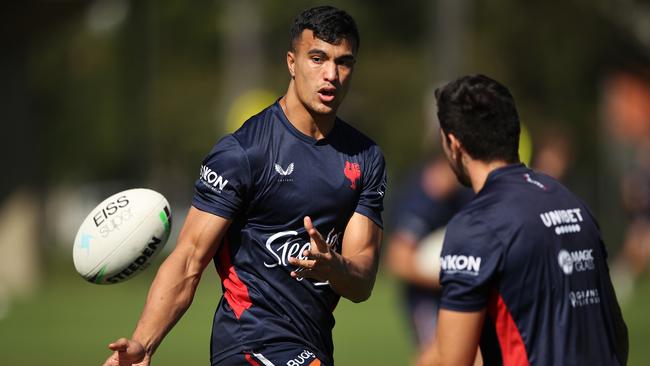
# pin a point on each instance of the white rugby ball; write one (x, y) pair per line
(427, 256)
(120, 237)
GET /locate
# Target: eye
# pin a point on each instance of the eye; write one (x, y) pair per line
(317, 59)
(346, 62)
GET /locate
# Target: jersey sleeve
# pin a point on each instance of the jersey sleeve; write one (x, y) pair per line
(420, 215)
(224, 179)
(371, 200)
(471, 260)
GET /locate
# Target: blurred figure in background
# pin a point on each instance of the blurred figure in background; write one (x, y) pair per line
(553, 153)
(626, 109)
(636, 200)
(424, 206)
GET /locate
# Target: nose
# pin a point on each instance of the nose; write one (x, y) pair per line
(331, 72)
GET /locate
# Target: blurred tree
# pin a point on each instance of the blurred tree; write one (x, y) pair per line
(137, 91)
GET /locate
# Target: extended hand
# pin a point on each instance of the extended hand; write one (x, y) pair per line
(127, 353)
(320, 261)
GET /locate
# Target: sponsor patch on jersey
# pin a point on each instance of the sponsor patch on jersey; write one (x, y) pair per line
(563, 221)
(286, 244)
(284, 173)
(580, 298)
(577, 260)
(465, 264)
(212, 179)
(300, 359)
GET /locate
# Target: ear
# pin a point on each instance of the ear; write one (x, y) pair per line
(455, 147)
(291, 63)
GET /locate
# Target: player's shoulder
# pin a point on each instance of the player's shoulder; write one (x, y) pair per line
(348, 130)
(258, 128)
(249, 140)
(467, 218)
(352, 138)
(469, 230)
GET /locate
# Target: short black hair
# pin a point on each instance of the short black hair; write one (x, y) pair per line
(480, 112)
(328, 23)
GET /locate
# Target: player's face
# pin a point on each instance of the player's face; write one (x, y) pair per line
(455, 159)
(321, 72)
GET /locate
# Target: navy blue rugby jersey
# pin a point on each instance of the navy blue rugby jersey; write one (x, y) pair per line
(528, 251)
(419, 214)
(266, 177)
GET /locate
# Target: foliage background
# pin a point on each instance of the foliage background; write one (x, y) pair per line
(99, 96)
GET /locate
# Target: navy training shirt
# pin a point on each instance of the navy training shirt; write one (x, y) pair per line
(528, 251)
(266, 177)
(418, 214)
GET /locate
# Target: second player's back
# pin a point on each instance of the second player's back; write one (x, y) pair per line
(547, 269)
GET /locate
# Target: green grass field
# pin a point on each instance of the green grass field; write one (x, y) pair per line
(70, 322)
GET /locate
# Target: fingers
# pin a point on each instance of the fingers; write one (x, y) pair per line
(127, 353)
(120, 345)
(314, 235)
(312, 263)
(302, 263)
(112, 361)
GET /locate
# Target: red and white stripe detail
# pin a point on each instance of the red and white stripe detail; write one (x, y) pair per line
(252, 358)
(236, 292)
(513, 349)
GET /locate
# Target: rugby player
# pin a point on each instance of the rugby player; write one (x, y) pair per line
(289, 209)
(523, 267)
(425, 206)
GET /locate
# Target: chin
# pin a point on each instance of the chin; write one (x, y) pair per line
(323, 109)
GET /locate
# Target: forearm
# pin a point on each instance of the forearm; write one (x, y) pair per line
(430, 357)
(170, 295)
(407, 274)
(402, 263)
(355, 278)
(457, 339)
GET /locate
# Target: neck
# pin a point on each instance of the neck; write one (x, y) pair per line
(479, 171)
(308, 122)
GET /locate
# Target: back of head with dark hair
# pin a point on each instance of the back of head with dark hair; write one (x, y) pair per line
(328, 23)
(481, 114)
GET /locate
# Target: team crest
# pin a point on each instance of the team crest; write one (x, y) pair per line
(352, 171)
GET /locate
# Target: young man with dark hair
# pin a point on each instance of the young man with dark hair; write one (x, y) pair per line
(289, 208)
(523, 267)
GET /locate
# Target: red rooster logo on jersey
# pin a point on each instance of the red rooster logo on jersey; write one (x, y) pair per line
(352, 171)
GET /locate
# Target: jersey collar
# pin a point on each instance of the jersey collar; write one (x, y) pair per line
(505, 170)
(294, 131)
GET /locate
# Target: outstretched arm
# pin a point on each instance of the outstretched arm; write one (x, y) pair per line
(173, 289)
(405, 258)
(352, 273)
(456, 341)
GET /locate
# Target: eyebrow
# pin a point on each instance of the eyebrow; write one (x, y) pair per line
(316, 51)
(345, 58)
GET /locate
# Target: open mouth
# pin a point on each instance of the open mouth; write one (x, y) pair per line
(327, 94)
